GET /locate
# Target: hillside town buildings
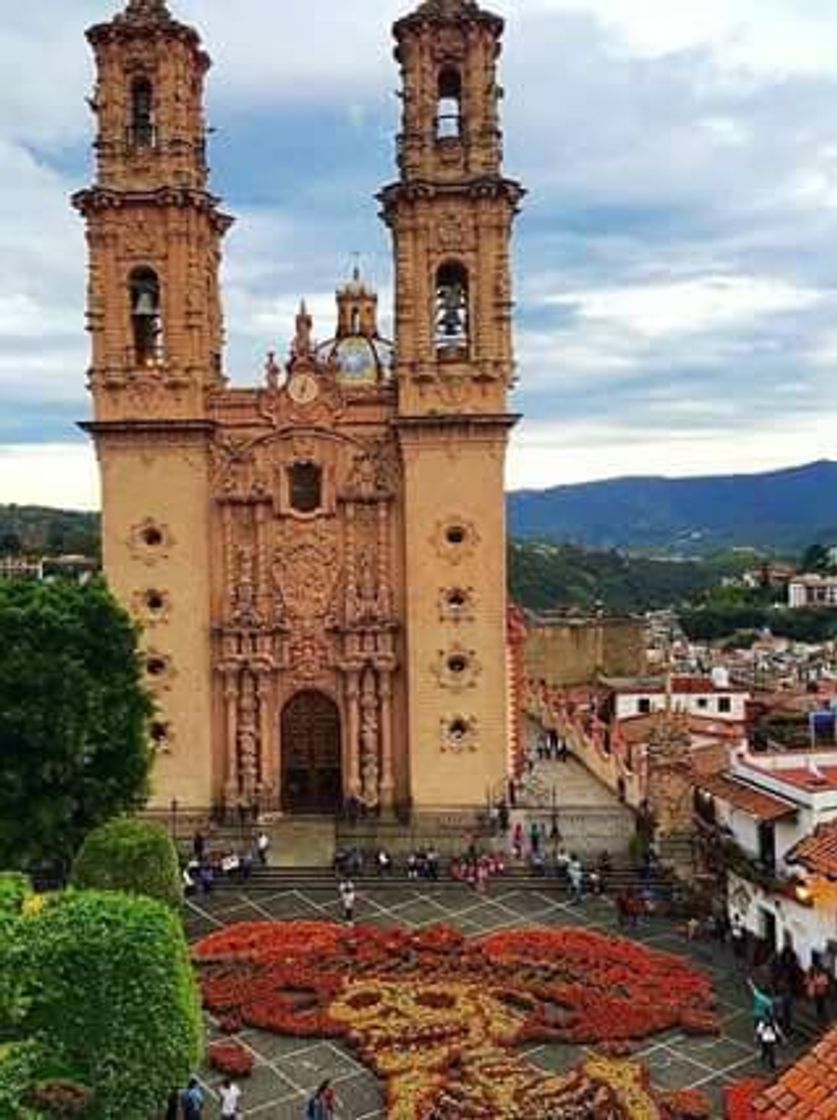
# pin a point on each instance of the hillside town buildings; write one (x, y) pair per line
(779, 812)
(812, 590)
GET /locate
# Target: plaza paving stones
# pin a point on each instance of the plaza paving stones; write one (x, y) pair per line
(287, 1068)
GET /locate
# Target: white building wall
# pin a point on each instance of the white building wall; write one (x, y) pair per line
(629, 704)
(812, 929)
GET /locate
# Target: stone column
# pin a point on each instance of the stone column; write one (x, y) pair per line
(387, 776)
(231, 703)
(266, 761)
(353, 732)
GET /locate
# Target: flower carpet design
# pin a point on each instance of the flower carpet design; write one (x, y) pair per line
(440, 1017)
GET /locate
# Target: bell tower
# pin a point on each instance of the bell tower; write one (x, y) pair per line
(451, 213)
(154, 237)
(153, 230)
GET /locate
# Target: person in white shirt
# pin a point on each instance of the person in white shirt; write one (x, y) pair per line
(263, 847)
(230, 1099)
(347, 897)
(768, 1034)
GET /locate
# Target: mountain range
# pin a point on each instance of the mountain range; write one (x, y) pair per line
(782, 511)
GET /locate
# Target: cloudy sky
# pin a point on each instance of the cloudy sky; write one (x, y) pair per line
(676, 260)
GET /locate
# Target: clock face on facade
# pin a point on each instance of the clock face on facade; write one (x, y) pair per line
(303, 389)
(357, 360)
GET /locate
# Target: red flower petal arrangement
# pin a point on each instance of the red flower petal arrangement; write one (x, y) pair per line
(440, 1016)
(231, 1059)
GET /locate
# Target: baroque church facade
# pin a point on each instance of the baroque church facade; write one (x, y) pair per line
(317, 562)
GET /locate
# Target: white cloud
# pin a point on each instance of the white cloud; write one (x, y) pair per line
(696, 304)
(63, 475)
(551, 454)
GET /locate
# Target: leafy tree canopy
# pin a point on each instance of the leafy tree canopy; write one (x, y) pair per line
(817, 559)
(73, 718)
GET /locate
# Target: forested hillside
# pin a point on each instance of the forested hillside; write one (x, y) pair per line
(545, 576)
(41, 531)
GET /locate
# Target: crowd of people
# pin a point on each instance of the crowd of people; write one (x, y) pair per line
(205, 865)
(191, 1102)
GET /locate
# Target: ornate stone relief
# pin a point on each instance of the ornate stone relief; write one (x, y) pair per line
(306, 569)
(150, 541)
(151, 606)
(455, 539)
(244, 609)
(159, 671)
(458, 733)
(161, 735)
(457, 604)
(457, 668)
(308, 655)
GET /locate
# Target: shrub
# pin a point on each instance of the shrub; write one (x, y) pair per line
(114, 998)
(18, 1066)
(14, 890)
(132, 856)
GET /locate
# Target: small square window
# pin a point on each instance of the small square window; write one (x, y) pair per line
(306, 487)
(643, 706)
(702, 702)
(724, 704)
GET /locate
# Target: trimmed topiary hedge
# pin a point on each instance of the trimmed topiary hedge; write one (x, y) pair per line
(113, 998)
(130, 855)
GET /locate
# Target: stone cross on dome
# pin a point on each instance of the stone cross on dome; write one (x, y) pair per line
(448, 8)
(147, 11)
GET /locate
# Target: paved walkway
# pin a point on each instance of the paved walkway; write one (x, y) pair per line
(287, 1069)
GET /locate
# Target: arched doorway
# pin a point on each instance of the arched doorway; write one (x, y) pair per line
(311, 780)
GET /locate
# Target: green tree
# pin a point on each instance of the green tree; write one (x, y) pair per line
(74, 745)
(817, 559)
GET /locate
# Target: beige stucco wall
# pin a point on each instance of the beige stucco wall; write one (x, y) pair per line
(455, 480)
(166, 483)
(576, 652)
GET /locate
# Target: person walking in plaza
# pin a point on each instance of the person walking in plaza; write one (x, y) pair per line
(347, 899)
(263, 847)
(321, 1105)
(191, 1101)
(503, 817)
(230, 1095)
(768, 1035)
(576, 876)
(762, 1003)
(816, 989)
(517, 841)
(534, 837)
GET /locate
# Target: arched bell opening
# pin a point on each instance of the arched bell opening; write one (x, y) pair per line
(449, 108)
(144, 294)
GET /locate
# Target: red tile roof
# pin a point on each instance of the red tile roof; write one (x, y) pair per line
(817, 852)
(807, 1090)
(762, 806)
(805, 778)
